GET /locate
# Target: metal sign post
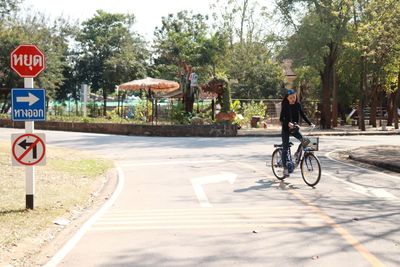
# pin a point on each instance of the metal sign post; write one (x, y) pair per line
(28, 61)
(29, 170)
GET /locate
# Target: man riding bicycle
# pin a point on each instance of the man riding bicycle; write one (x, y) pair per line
(289, 117)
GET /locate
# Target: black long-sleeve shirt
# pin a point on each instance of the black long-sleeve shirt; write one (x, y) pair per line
(291, 113)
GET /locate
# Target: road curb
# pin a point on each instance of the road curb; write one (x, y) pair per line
(61, 244)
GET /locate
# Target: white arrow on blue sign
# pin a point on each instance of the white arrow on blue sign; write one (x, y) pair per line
(28, 104)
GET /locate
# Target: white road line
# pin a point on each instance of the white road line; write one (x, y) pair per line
(198, 218)
(352, 187)
(260, 217)
(378, 192)
(216, 226)
(60, 255)
(204, 221)
(212, 214)
(172, 162)
(364, 190)
(218, 209)
(198, 183)
(328, 155)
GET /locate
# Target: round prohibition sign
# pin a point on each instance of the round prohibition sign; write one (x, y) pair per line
(29, 149)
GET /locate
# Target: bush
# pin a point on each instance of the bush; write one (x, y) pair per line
(253, 109)
(140, 110)
(179, 115)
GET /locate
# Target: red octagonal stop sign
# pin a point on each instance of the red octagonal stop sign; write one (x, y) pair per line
(28, 61)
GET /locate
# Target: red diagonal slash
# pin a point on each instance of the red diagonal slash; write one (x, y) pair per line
(29, 149)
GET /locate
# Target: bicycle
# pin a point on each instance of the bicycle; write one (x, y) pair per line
(309, 163)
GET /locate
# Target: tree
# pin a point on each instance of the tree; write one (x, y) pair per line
(50, 37)
(249, 60)
(181, 39)
(326, 21)
(8, 6)
(257, 75)
(110, 52)
(376, 38)
(184, 44)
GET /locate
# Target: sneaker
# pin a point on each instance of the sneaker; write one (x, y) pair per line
(286, 172)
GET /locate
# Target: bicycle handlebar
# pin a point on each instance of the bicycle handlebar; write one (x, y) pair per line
(311, 128)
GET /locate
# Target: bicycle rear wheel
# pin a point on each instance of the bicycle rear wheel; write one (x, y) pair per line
(277, 164)
(310, 169)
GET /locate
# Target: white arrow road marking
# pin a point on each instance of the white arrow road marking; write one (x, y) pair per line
(198, 183)
(31, 99)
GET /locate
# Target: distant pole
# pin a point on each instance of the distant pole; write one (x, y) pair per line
(118, 99)
(122, 105)
(69, 104)
(84, 99)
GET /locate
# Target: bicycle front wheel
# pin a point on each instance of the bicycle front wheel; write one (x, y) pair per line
(277, 164)
(310, 169)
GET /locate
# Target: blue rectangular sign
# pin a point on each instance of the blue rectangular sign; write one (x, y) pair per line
(28, 104)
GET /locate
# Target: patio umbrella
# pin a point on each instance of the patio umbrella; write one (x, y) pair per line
(151, 84)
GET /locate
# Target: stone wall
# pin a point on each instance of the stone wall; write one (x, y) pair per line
(220, 130)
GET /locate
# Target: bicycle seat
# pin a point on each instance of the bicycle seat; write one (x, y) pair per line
(281, 145)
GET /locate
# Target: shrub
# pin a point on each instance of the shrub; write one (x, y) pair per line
(179, 115)
(253, 109)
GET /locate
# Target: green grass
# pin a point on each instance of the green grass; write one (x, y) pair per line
(85, 167)
(63, 186)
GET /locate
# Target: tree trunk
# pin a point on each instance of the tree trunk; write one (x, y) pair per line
(188, 93)
(390, 109)
(213, 109)
(75, 96)
(104, 102)
(395, 104)
(326, 99)
(118, 102)
(76, 107)
(374, 104)
(189, 100)
(335, 98)
(326, 77)
(363, 90)
(243, 19)
(122, 114)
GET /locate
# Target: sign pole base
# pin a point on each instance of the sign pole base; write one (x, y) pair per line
(29, 202)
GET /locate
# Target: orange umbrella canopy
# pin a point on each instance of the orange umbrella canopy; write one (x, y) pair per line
(150, 84)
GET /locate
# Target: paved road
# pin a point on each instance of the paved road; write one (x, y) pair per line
(213, 202)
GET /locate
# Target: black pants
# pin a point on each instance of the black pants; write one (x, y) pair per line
(285, 142)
